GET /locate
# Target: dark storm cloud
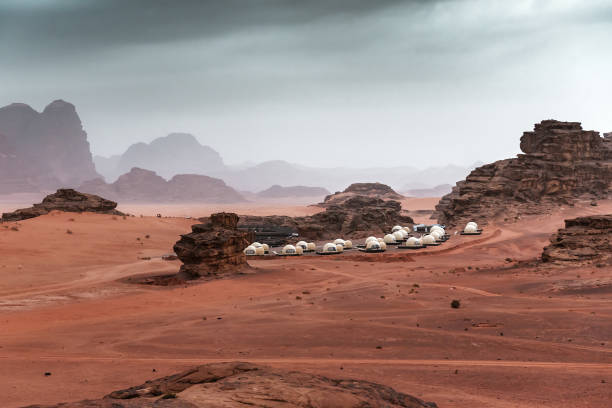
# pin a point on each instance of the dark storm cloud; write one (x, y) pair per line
(420, 74)
(87, 25)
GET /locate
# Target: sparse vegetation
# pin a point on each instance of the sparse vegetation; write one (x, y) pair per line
(455, 304)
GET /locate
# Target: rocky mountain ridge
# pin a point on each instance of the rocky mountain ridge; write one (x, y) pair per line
(140, 185)
(561, 164)
(43, 151)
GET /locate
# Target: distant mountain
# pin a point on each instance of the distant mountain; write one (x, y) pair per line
(267, 174)
(277, 191)
(43, 151)
(181, 153)
(437, 191)
(177, 153)
(146, 186)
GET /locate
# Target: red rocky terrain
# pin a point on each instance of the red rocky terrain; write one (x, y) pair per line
(561, 164)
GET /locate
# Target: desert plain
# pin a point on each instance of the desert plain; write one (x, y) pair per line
(74, 326)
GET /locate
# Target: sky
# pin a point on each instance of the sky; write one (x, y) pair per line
(356, 83)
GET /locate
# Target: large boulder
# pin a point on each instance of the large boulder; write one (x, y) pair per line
(235, 384)
(584, 239)
(213, 248)
(67, 200)
(561, 165)
(373, 190)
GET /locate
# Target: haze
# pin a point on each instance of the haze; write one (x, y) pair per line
(321, 83)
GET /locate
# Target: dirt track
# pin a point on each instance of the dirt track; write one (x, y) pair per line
(520, 338)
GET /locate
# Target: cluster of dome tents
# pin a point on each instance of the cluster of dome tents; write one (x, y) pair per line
(399, 236)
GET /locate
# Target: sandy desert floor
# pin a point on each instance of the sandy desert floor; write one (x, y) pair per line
(525, 336)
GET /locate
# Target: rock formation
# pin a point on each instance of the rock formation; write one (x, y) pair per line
(228, 385)
(277, 191)
(146, 186)
(584, 239)
(45, 150)
(374, 190)
(355, 217)
(561, 165)
(65, 200)
(213, 248)
(177, 153)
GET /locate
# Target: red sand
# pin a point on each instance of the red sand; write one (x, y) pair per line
(534, 338)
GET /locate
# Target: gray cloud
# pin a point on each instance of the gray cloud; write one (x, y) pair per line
(373, 81)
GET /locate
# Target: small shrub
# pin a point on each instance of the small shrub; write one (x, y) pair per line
(147, 236)
(68, 232)
(14, 228)
(455, 304)
(169, 396)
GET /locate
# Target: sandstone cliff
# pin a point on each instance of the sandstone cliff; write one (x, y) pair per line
(562, 164)
(584, 239)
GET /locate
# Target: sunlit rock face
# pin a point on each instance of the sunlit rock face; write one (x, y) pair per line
(561, 164)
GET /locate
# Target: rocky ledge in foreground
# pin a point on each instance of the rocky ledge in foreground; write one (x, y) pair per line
(67, 200)
(227, 385)
(214, 247)
(561, 165)
(355, 217)
(584, 239)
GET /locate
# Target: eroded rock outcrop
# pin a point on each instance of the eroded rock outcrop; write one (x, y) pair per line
(354, 217)
(373, 190)
(67, 200)
(214, 247)
(584, 239)
(44, 150)
(146, 186)
(228, 385)
(561, 165)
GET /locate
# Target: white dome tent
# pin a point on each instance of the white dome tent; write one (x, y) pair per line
(256, 244)
(398, 235)
(302, 244)
(428, 240)
(470, 229)
(396, 228)
(339, 241)
(311, 246)
(289, 250)
(260, 251)
(348, 244)
(250, 250)
(266, 248)
(413, 242)
(330, 248)
(373, 245)
(339, 248)
(389, 239)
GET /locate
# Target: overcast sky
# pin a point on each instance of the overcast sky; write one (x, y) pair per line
(318, 82)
